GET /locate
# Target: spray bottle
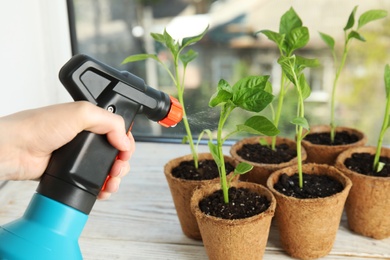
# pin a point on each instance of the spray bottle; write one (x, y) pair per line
(58, 211)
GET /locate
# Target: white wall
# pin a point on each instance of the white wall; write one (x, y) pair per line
(34, 44)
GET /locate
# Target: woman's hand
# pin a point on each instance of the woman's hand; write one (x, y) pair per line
(28, 138)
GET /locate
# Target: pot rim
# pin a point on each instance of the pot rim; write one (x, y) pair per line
(361, 149)
(255, 139)
(336, 173)
(270, 211)
(326, 129)
(208, 156)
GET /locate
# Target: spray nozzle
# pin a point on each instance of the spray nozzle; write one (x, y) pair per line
(174, 115)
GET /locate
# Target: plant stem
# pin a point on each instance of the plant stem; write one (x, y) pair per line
(180, 91)
(338, 71)
(301, 114)
(299, 156)
(279, 108)
(381, 135)
(222, 169)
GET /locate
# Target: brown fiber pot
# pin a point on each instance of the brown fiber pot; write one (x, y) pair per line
(308, 227)
(261, 171)
(234, 239)
(368, 203)
(327, 154)
(181, 191)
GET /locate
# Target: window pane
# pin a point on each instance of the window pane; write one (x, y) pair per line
(231, 49)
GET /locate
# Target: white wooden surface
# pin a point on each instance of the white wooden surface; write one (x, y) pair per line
(140, 222)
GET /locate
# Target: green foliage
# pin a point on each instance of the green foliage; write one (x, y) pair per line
(176, 49)
(293, 68)
(292, 36)
(377, 166)
(349, 34)
(250, 94)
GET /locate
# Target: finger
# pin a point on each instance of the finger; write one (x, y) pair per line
(111, 186)
(126, 155)
(100, 121)
(119, 168)
(103, 195)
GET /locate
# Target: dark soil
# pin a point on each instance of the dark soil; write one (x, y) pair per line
(263, 154)
(243, 203)
(314, 186)
(363, 163)
(207, 170)
(341, 138)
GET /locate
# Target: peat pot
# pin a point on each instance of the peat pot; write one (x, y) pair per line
(327, 154)
(368, 203)
(182, 189)
(308, 227)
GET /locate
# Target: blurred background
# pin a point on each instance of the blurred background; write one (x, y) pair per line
(112, 30)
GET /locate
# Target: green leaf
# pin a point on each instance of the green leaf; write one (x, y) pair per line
(189, 40)
(214, 152)
(289, 21)
(302, 63)
(258, 125)
(252, 93)
(356, 35)
(277, 38)
(242, 168)
(139, 57)
(224, 85)
(351, 19)
(268, 87)
(328, 40)
(158, 37)
(263, 142)
(301, 121)
(258, 82)
(223, 94)
(387, 80)
(380, 166)
(171, 44)
(298, 38)
(288, 65)
(292, 68)
(188, 57)
(219, 98)
(254, 100)
(209, 134)
(185, 139)
(304, 86)
(370, 16)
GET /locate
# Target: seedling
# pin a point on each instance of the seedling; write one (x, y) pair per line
(293, 68)
(251, 94)
(349, 34)
(378, 166)
(176, 49)
(291, 37)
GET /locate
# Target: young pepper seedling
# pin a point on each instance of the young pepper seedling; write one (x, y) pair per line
(250, 94)
(176, 49)
(349, 34)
